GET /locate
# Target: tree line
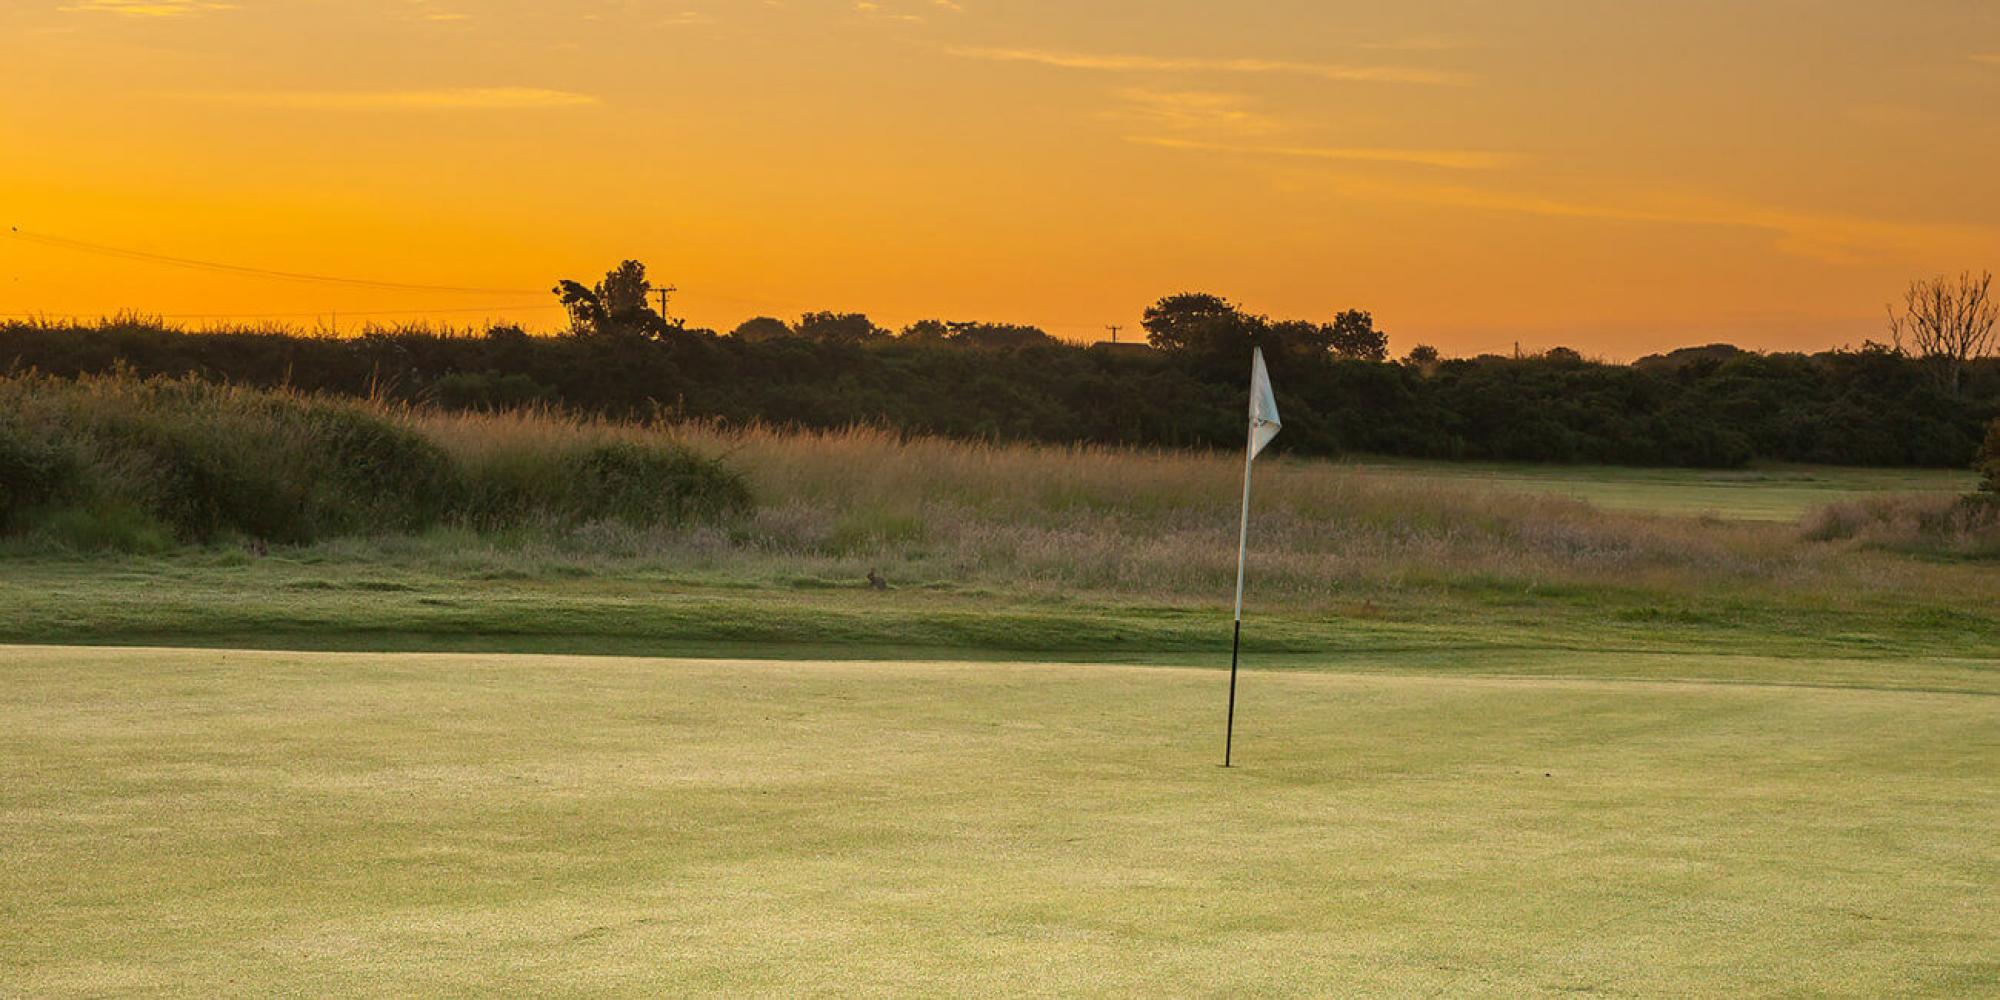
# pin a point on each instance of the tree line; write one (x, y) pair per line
(1715, 406)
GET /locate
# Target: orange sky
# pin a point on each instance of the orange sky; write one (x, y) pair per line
(1615, 176)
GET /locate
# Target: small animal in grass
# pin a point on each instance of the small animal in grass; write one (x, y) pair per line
(875, 580)
(258, 548)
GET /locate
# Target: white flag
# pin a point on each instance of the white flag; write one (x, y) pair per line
(1263, 406)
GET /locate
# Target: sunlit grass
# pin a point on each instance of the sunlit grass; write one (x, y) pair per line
(200, 823)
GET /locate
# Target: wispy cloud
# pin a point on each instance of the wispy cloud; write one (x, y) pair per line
(1450, 159)
(1192, 111)
(1816, 235)
(1126, 63)
(868, 8)
(464, 98)
(148, 8)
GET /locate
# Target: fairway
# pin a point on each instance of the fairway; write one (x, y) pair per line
(201, 823)
(1773, 493)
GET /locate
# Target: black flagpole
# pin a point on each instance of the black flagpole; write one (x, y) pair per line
(1229, 733)
(1242, 550)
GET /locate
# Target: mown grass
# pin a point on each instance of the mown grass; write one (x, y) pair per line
(433, 594)
(1775, 492)
(186, 823)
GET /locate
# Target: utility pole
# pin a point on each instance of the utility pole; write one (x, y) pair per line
(663, 293)
(1114, 332)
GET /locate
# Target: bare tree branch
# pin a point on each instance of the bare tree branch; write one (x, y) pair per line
(1948, 323)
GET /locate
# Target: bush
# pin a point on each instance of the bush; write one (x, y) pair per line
(210, 461)
(1965, 527)
(637, 484)
(650, 485)
(487, 391)
(1989, 459)
(33, 472)
(106, 525)
(128, 464)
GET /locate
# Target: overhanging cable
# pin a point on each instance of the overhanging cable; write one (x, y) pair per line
(104, 250)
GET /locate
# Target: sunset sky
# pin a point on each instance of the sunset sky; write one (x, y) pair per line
(1619, 177)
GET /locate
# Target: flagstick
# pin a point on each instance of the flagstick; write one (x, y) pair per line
(1242, 549)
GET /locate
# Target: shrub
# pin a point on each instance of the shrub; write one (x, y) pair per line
(572, 483)
(210, 461)
(374, 473)
(106, 525)
(1966, 527)
(126, 464)
(1989, 458)
(487, 391)
(642, 484)
(33, 472)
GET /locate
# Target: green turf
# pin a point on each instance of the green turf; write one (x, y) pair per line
(225, 599)
(203, 823)
(1764, 493)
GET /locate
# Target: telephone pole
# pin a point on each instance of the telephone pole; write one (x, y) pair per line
(1114, 331)
(663, 293)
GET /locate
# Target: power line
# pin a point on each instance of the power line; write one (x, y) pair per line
(245, 270)
(104, 250)
(294, 315)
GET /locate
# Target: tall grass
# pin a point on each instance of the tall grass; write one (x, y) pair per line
(1067, 520)
(1082, 518)
(1963, 527)
(106, 461)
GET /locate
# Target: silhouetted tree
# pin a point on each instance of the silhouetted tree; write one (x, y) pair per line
(1289, 338)
(1710, 355)
(1193, 321)
(998, 336)
(839, 328)
(926, 331)
(1948, 322)
(584, 305)
(982, 336)
(616, 306)
(761, 328)
(625, 288)
(1352, 334)
(1424, 358)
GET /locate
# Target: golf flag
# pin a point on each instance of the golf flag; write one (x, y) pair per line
(1264, 426)
(1263, 405)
